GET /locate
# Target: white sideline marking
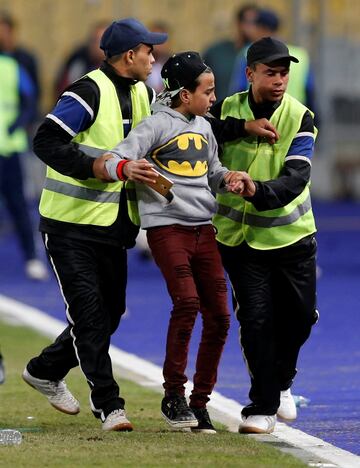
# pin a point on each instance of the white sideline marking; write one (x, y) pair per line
(151, 375)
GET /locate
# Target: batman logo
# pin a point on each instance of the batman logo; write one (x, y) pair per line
(185, 155)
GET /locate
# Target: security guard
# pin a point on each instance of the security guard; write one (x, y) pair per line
(87, 224)
(267, 240)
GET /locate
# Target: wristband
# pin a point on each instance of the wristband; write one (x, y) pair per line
(120, 169)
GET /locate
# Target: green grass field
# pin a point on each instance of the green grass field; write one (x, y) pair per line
(53, 439)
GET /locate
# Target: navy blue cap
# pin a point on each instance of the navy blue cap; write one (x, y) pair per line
(125, 34)
(268, 19)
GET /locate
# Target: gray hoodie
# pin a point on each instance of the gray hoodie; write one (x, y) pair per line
(184, 151)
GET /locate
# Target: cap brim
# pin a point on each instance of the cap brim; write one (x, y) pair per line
(153, 38)
(276, 57)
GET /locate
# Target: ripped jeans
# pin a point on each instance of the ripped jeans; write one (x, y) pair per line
(189, 260)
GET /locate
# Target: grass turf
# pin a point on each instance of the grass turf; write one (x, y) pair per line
(53, 439)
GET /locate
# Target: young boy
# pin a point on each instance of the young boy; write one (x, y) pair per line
(180, 144)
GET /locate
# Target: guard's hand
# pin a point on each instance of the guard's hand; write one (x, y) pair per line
(140, 171)
(99, 168)
(240, 182)
(262, 128)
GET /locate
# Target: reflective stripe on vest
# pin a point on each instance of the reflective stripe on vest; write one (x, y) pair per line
(91, 201)
(268, 222)
(82, 193)
(9, 108)
(238, 220)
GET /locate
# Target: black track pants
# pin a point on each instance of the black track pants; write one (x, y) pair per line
(92, 279)
(274, 300)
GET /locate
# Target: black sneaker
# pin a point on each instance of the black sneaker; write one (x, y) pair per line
(177, 413)
(205, 425)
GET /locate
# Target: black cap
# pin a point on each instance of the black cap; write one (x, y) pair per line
(268, 50)
(126, 34)
(182, 69)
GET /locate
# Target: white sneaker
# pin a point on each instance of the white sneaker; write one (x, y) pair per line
(117, 421)
(55, 391)
(36, 270)
(287, 409)
(257, 424)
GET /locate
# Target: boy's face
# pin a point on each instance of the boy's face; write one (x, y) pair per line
(268, 82)
(200, 101)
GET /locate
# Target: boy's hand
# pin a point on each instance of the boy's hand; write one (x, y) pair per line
(262, 128)
(140, 171)
(240, 182)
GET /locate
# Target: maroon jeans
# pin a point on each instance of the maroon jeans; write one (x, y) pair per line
(191, 265)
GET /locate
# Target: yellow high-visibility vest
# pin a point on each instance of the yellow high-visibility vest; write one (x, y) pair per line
(90, 201)
(237, 220)
(9, 108)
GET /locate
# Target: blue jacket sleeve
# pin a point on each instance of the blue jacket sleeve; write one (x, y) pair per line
(27, 93)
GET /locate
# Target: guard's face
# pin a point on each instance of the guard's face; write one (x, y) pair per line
(200, 101)
(142, 60)
(268, 82)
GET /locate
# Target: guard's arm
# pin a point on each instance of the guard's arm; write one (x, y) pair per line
(74, 112)
(231, 128)
(295, 175)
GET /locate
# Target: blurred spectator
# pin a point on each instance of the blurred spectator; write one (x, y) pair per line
(221, 55)
(17, 100)
(161, 53)
(9, 46)
(301, 83)
(2, 370)
(83, 59)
